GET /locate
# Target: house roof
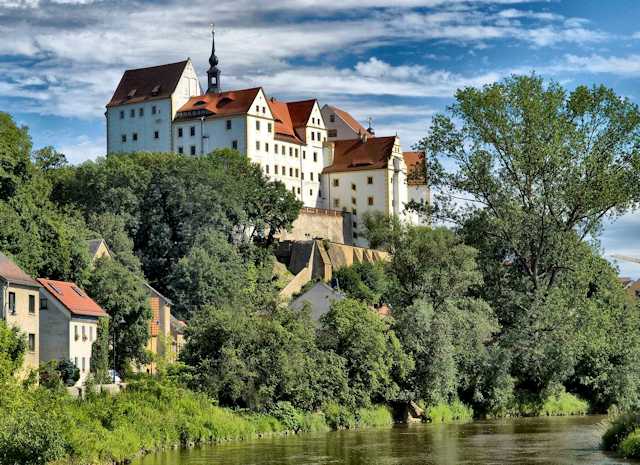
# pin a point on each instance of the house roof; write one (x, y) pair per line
(232, 102)
(415, 168)
(155, 82)
(156, 293)
(356, 154)
(348, 119)
(284, 129)
(13, 274)
(72, 298)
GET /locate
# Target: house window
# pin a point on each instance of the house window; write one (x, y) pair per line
(268, 127)
(291, 172)
(156, 135)
(154, 110)
(84, 333)
(121, 114)
(43, 303)
(75, 361)
(302, 175)
(32, 304)
(234, 145)
(257, 108)
(298, 190)
(353, 211)
(181, 149)
(311, 192)
(275, 169)
(370, 200)
(318, 136)
(124, 138)
(332, 118)
(179, 132)
(266, 146)
(353, 187)
(275, 148)
(141, 112)
(336, 183)
(313, 135)
(336, 203)
(332, 133)
(293, 189)
(257, 125)
(315, 156)
(296, 152)
(355, 224)
(12, 302)
(192, 131)
(353, 200)
(311, 175)
(135, 136)
(290, 151)
(284, 151)
(32, 342)
(257, 145)
(266, 169)
(193, 150)
(132, 113)
(370, 180)
(297, 173)
(228, 124)
(76, 333)
(264, 110)
(304, 154)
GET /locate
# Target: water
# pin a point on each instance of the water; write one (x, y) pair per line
(557, 441)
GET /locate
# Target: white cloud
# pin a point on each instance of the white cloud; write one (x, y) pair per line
(625, 65)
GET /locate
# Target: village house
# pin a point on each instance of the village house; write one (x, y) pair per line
(20, 308)
(69, 324)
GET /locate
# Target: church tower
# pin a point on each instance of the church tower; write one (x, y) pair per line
(213, 73)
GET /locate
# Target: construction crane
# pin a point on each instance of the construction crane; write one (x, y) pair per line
(626, 258)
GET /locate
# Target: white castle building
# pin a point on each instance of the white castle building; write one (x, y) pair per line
(322, 155)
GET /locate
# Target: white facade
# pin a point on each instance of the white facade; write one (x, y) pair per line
(65, 336)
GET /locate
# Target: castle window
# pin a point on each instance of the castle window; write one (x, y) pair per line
(32, 342)
(353, 211)
(311, 175)
(124, 138)
(336, 203)
(336, 183)
(318, 136)
(353, 200)
(135, 136)
(179, 132)
(257, 145)
(234, 144)
(154, 110)
(266, 169)
(275, 148)
(121, 114)
(269, 127)
(264, 110)
(181, 149)
(304, 154)
(332, 118)
(257, 125)
(12, 302)
(228, 124)
(296, 153)
(370, 200)
(298, 190)
(297, 173)
(275, 169)
(266, 146)
(192, 131)
(293, 189)
(257, 108)
(132, 113)
(353, 187)
(332, 133)
(141, 112)
(370, 180)
(291, 172)
(193, 150)
(284, 150)
(302, 175)
(313, 135)
(311, 192)
(290, 151)
(315, 156)
(156, 135)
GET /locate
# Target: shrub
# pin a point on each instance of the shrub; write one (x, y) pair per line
(563, 403)
(376, 416)
(620, 428)
(446, 413)
(630, 446)
(339, 417)
(30, 439)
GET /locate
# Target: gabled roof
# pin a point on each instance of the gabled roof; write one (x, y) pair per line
(300, 113)
(72, 298)
(284, 129)
(156, 293)
(415, 168)
(348, 119)
(233, 102)
(155, 82)
(13, 274)
(356, 154)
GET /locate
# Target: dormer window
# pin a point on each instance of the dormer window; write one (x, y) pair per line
(156, 90)
(131, 93)
(199, 103)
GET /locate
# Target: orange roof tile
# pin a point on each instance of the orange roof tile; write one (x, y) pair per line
(155, 82)
(284, 129)
(354, 154)
(72, 298)
(233, 102)
(415, 168)
(350, 120)
(13, 274)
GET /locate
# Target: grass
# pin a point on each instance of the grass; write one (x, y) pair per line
(447, 413)
(564, 404)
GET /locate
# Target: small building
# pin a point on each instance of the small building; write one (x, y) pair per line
(97, 249)
(20, 307)
(319, 298)
(69, 322)
(178, 328)
(160, 339)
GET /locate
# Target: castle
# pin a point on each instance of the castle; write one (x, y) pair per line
(321, 154)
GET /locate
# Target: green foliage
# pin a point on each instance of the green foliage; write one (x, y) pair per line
(112, 229)
(123, 296)
(623, 429)
(12, 349)
(48, 158)
(374, 417)
(15, 148)
(100, 353)
(56, 374)
(562, 404)
(375, 360)
(363, 281)
(447, 413)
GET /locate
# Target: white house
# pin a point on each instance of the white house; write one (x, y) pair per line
(69, 324)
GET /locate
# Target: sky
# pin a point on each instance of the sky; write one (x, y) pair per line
(398, 62)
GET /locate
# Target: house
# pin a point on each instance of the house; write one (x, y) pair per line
(69, 324)
(20, 307)
(178, 328)
(319, 298)
(98, 248)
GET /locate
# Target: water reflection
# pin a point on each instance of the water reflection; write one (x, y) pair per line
(558, 441)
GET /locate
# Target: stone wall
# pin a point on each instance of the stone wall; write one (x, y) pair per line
(319, 223)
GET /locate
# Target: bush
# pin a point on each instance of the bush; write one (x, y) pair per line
(30, 439)
(376, 416)
(620, 428)
(630, 446)
(339, 417)
(563, 403)
(446, 413)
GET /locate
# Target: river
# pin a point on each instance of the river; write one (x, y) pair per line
(522, 441)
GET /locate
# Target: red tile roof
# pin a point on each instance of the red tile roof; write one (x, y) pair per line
(233, 102)
(300, 112)
(349, 120)
(415, 168)
(354, 154)
(139, 85)
(13, 274)
(72, 298)
(284, 129)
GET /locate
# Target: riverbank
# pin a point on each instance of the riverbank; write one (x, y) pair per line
(623, 436)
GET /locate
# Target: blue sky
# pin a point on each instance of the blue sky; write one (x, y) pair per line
(398, 62)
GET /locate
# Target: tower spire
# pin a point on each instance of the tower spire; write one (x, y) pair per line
(213, 73)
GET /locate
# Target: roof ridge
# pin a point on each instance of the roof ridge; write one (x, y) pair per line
(158, 66)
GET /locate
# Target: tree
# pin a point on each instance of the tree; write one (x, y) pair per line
(363, 281)
(375, 360)
(539, 169)
(48, 158)
(100, 352)
(112, 229)
(123, 296)
(15, 148)
(12, 349)
(381, 230)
